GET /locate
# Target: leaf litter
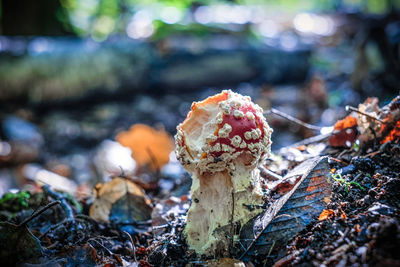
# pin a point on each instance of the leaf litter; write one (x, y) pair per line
(338, 209)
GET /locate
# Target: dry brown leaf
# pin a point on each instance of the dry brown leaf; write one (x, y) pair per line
(370, 107)
(382, 124)
(150, 147)
(133, 203)
(292, 212)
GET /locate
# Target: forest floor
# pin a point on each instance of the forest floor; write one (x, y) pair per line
(359, 226)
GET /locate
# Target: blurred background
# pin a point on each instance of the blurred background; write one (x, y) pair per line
(74, 73)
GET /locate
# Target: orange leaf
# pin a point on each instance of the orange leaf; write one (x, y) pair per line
(150, 147)
(325, 214)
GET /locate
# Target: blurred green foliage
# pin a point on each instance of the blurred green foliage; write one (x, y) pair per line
(100, 18)
(52, 77)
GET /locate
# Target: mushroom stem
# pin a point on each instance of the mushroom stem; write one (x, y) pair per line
(221, 203)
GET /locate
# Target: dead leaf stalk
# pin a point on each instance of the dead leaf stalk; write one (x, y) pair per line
(293, 119)
(350, 108)
(38, 212)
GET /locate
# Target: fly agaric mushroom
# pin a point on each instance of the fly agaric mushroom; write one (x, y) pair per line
(221, 142)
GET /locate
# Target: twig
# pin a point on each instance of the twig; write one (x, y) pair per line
(100, 245)
(38, 212)
(293, 119)
(270, 175)
(133, 245)
(350, 108)
(53, 227)
(64, 204)
(311, 140)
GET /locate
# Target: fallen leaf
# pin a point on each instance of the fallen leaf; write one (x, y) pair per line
(17, 244)
(345, 132)
(292, 212)
(325, 214)
(370, 107)
(122, 200)
(150, 147)
(381, 124)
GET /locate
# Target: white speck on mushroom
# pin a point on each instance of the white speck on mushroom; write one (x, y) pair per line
(243, 145)
(216, 148)
(226, 108)
(248, 135)
(236, 140)
(211, 138)
(251, 147)
(238, 114)
(224, 131)
(250, 115)
(254, 134)
(227, 148)
(219, 118)
(258, 132)
(238, 104)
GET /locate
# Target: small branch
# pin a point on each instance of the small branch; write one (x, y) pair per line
(38, 212)
(270, 175)
(63, 201)
(133, 245)
(100, 245)
(53, 227)
(350, 108)
(313, 139)
(293, 119)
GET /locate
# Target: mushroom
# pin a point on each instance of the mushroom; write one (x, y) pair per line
(221, 142)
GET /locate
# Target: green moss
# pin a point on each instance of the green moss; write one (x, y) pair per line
(15, 202)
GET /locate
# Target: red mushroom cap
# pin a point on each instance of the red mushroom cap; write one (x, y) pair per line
(221, 129)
